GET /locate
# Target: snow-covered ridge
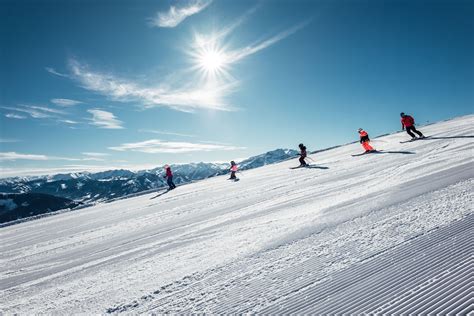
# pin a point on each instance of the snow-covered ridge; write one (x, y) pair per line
(262, 244)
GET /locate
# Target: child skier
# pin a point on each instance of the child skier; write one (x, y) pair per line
(302, 155)
(233, 170)
(365, 140)
(409, 123)
(169, 177)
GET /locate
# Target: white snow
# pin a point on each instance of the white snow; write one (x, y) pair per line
(219, 246)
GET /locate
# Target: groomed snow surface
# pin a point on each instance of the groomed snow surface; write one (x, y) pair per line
(390, 232)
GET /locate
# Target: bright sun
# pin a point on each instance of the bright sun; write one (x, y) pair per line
(212, 61)
(210, 58)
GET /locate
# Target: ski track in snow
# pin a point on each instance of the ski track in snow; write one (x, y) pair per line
(258, 245)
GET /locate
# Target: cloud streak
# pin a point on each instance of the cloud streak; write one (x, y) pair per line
(239, 54)
(175, 15)
(65, 102)
(54, 72)
(12, 156)
(156, 146)
(104, 119)
(34, 111)
(164, 133)
(8, 140)
(15, 116)
(95, 155)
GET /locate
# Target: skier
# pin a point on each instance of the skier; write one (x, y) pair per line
(302, 155)
(233, 170)
(365, 140)
(409, 123)
(169, 177)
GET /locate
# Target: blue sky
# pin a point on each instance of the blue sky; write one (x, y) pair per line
(92, 85)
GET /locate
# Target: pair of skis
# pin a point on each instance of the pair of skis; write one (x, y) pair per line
(367, 152)
(310, 167)
(415, 139)
(381, 152)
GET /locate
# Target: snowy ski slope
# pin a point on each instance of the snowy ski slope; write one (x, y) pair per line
(389, 232)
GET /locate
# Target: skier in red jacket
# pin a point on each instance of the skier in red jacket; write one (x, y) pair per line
(169, 177)
(408, 123)
(364, 140)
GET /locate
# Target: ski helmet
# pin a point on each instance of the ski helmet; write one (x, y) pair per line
(360, 129)
(300, 145)
(232, 162)
(402, 114)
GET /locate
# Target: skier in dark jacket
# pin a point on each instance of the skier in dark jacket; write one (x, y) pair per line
(408, 123)
(303, 155)
(169, 177)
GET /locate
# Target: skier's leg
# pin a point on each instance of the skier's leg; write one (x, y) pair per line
(418, 132)
(302, 162)
(170, 183)
(367, 146)
(232, 175)
(409, 129)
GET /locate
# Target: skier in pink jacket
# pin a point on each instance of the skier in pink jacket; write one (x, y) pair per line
(233, 169)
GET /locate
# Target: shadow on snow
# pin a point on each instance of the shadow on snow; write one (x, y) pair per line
(446, 137)
(394, 152)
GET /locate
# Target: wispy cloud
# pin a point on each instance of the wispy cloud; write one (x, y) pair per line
(4, 156)
(187, 98)
(175, 15)
(13, 156)
(45, 109)
(164, 133)
(8, 140)
(92, 154)
(39, 112)
(69, 122)
(239, 54)
(65, 102)
(104, 119)
(15, 116)
(155, 146)
(54, 72)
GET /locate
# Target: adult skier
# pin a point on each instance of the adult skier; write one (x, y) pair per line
(169, 177)
(365, 140)
(303, 155)
(408, 123)
(233, 170)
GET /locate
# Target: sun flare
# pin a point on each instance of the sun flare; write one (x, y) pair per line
(212, 61)
(210, 58)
